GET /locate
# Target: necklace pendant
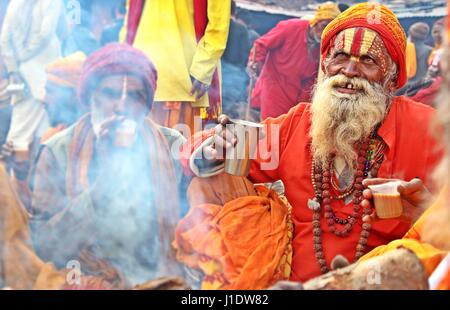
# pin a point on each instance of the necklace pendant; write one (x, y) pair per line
(313, 205)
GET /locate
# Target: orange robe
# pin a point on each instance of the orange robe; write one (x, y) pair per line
(20, 267)
(411, 152)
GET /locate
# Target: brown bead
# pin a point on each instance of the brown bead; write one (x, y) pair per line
(359, 187)
(317, 247)
(367, 211)
(316, 216)
(325, 179)
(318, 185)
(327, 208)
(316, 224)
(325, 186)
(318, 177)
(360, 248)
(326, 174)
(366, 226)
(363, 241)
(359, 254)
(326, 194)
(317, 240)
(348, 227)
(322, 262)
(317, 232)
(326, 201)
(365, 234)
(319, 255)
(324, 269)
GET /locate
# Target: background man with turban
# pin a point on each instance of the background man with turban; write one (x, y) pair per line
(417, 52)
(354, 129)
(287, 62)
(185, 39)
(105, 189)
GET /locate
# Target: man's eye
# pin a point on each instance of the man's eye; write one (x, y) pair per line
(367, 60)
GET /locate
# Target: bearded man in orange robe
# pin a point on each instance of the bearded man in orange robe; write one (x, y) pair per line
(353, 130)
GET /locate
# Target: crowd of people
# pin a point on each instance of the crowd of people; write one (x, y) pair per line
(117, 121)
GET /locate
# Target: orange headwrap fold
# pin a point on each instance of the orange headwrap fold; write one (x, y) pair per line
(378, 18)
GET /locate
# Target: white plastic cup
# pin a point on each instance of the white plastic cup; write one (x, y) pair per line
(125, 134)
(386, 197)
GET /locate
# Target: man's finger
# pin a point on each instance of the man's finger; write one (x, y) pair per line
(221, 143)
(367, 194)
(210, 153)
(410, 187)
(375, 181)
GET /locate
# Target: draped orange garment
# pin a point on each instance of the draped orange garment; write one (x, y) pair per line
(244, 244)
(20, 267)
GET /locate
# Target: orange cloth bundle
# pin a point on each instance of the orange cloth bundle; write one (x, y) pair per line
(243, 245)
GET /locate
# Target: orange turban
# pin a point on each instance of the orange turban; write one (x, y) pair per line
(66, 72)
(378, 18)
(325, 11)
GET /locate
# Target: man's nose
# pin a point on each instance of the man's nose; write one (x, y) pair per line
(351, 69)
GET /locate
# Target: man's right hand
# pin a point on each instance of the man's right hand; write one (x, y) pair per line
(106, 135)
(254, 69)
(223, 140)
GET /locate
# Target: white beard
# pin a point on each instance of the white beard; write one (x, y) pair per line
(341, 120)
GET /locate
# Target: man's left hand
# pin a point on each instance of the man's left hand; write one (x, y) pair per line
(198, 89)
(415, 198)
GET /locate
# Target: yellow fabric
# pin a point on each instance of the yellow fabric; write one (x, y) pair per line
(325, 11)
(430, 255)
(166, 34)
(411, 61)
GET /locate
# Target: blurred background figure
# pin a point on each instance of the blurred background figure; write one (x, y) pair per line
(61, 100)
(5, 108)
(100, 23)
(286, 62)
(29, 42)
(437, 32)
(417, 52)
(234, 61)
(186, 49)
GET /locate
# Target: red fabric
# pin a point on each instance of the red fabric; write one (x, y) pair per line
(427, 95)
(200, 23)
(289, 71)
(405, 158)
(117, 58)
(134, 17)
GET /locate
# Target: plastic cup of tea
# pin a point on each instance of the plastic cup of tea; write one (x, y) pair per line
(21, 151)
(387, 201)
(125, 134)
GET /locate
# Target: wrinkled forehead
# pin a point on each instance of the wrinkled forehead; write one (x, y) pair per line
(360, 42)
